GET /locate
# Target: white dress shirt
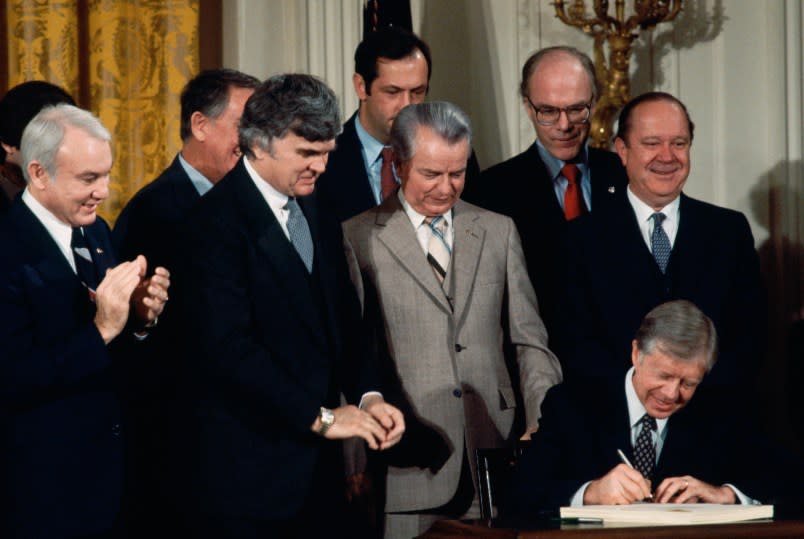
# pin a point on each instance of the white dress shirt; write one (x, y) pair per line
(644, 213)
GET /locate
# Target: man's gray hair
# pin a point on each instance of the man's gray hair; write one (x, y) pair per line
(44, 134)
(296, 103)
(679, 329)
(447, 120)
(536, 58)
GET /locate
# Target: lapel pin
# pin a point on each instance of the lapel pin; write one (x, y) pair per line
(612, 189)
(99, 250)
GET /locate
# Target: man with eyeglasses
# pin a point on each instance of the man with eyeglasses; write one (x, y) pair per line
(555, 180)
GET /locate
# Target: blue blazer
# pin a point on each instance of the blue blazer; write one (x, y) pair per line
(60, 418)
(270, 345)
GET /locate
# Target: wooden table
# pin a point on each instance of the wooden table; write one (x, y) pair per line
(554, 530)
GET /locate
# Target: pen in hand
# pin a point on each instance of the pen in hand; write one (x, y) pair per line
(628, 463)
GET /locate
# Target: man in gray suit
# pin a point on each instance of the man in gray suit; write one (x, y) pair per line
(446, 284)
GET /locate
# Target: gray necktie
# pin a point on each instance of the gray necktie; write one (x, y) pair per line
(299, 232)
(659, 242)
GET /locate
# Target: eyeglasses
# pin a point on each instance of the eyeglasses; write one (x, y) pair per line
(547, 116)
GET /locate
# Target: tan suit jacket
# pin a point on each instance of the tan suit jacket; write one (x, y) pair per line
(445, 349)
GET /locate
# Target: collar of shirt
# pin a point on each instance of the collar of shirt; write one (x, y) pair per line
(275, 200)
(61, 232)
(635, 412)
(644, 212)
(200, 182)
(372, 158)
(554, 166)
(423, 230)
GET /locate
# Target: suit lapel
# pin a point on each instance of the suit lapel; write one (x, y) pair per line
(689, 249)
(400, 239)
(272, 244)
(467, 246)
(48, 257)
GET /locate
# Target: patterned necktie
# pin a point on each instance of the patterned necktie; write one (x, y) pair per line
(659, 242)
(573, 198)
(438, 251)
(84, 265)
(388, 183)
(645, 449)
(299, 232)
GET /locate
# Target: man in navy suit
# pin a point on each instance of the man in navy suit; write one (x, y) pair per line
(622, 263)
(392, 70)
(559, 91)
(211, 106)
(63, 303)
(679, 453)
(277, 335)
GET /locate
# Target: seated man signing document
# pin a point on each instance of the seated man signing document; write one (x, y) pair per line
(639, 440)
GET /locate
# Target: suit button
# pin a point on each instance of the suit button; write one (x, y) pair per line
(458, 347)
(457, 393)
(116, 430)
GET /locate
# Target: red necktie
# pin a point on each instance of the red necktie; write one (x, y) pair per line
(573, 198)
(387, 181)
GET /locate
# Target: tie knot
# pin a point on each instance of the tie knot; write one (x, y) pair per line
(436, 223)
(570, 171)
(648, 422)
(658, 218)
(387, 154)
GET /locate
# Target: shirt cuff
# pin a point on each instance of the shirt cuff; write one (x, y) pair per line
(577, 499)
(368, 394)
(742, 498)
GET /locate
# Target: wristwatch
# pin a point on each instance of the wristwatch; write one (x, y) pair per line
(327, 419)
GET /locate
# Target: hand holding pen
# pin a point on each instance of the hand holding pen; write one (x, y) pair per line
(622, 485)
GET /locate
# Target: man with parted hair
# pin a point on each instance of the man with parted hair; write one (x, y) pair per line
(675, 451)
(555, 180)
(275, 334)
(66, 308)
(392, 70)
(653, 244)
(444, 284)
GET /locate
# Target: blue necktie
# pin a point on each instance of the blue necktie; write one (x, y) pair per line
(299, 232)
(659, 242)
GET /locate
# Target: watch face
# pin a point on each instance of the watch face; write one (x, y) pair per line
(327, 417)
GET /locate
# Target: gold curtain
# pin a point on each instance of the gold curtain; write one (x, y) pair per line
(125, 60)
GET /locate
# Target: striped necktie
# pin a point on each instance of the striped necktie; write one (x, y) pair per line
(84, 265)
(438, 251)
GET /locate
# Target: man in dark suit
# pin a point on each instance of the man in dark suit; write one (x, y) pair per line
(392, 70)
(679, 453)
(211, 106)
(559, 91)
(277, 333)
(62, 304)
(622, 263)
